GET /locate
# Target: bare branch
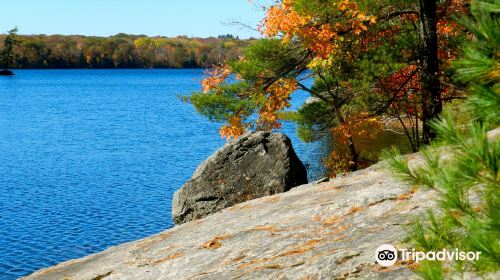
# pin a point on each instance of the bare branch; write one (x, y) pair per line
(241, 25)
(394, 14)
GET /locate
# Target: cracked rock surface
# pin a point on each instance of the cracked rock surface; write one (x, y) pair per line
(256, 164)
(327, 230)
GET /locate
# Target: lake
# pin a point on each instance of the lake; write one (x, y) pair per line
(91, 158)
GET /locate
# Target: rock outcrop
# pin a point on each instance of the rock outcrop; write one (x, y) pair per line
(256, 164)
(323, 230)
(326, 230)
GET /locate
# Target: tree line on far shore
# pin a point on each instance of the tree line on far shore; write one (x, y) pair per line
(122, 51)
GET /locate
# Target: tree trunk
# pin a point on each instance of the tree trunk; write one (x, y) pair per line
(353, 152)
(429, 67)
(350, 141)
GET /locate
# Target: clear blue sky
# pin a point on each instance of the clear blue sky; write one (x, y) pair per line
(194, 18)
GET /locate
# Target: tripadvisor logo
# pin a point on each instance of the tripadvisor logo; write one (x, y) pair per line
(387, 255)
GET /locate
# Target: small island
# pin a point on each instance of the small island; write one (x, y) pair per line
(6, 72)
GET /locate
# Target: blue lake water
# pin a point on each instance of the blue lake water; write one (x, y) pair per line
(90, 159)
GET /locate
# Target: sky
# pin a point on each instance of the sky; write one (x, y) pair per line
(194, 18)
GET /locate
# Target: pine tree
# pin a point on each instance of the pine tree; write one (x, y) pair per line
(467, 179)
(7, 55)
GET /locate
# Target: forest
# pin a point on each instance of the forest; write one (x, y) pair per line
(373, 63)
(121, 51)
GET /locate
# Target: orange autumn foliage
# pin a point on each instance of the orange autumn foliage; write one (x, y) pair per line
(358, 126)
(214, 77)
(321, 38)
(278, 99)
(402, 87)
(234, 128)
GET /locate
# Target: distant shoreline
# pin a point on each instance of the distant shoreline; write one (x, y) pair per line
(123, 51)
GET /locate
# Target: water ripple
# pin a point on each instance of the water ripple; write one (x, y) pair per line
(91, 158)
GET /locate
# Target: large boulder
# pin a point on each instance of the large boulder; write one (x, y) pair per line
(254, 165)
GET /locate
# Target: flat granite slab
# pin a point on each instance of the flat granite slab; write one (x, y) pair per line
(324, 230)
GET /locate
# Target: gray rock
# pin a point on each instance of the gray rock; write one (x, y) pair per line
(256, 164)
(325, 231)
(329, 230)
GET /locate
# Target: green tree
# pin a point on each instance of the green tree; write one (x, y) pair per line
(33, 53)
(367, 59)
(467, 179)
(7, 56)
